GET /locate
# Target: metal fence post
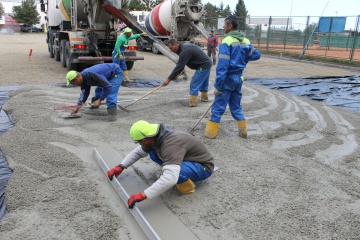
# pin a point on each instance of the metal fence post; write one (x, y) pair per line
(268, 34)
(354, 39)
(286, 32)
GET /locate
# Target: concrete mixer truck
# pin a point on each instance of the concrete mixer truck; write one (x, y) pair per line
(179, 19)
(81, 33)
(170, 19)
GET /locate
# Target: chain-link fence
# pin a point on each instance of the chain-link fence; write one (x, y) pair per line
(299, 35)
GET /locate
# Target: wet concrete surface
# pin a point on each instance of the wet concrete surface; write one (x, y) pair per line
(336, 91)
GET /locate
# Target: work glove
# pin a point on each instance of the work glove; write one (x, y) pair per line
(217, 92)
(121, 57)
(117, 170)
(136, 198)
(143, 34)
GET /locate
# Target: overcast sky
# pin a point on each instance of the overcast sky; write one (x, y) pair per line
(296, 7)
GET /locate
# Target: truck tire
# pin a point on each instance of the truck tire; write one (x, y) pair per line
(63, 52)
(69, 58)
(51, 50)
(139, 45)
(154, 50)
(56, 54)
(129, 65)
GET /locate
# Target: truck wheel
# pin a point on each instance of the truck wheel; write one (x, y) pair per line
(50, 46)
(69, 58)
(154, 50)
(129, 65)
(63, 52)
(139, 44)
(57, 53)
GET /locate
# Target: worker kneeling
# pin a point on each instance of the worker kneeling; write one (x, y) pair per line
(184, 159)
(107, 78)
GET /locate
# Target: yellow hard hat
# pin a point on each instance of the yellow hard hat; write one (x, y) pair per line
(142, 129)
(127, 30)
(70, 76)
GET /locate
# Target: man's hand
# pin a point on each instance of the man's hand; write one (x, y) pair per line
(117, 170)
(136, 198)
(217, 92)
(166, 82)
(121, 57)
(75, 111)
(96, 104)
(143, 34)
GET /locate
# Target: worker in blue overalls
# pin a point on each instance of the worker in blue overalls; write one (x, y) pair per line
(107, 78)
(234, 53)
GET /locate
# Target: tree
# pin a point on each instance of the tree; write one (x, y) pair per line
(140, 5)
(1, 10)
(241, 13)
(136, 5)
(26, 13)
(210, 15)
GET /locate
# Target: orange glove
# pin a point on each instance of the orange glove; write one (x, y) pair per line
(117, 170)
(136, 198)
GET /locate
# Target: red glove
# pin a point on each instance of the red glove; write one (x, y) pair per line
(136, 198)
(115, 171)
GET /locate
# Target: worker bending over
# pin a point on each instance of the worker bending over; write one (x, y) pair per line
(183, 157)
(107, 78)
(234, 53)
(195, 58)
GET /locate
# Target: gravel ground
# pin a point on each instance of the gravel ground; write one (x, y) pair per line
(297, 176)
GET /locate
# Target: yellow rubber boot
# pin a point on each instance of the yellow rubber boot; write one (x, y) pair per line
(126, 76)
(212, 129)
(204, 97)
(242, 129)
(186, 187)
(193, 100)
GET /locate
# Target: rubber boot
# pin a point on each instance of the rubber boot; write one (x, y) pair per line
(242, 129)
(112, 113)
(126, 76)
(204, 96)
(212, 129)
(193, 100)
(186, 187)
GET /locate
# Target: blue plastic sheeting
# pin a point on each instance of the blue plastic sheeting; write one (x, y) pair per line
(336, 91)
(337, 24)
(5, 171)
(5, 175)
